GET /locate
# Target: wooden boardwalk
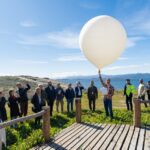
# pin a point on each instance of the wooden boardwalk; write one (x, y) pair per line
(99, 136)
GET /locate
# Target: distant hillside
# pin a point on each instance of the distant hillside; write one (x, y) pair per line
(9, 82)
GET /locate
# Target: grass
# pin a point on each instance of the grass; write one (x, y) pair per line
(28, 135)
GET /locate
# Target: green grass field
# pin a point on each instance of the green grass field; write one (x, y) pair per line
(28, 135)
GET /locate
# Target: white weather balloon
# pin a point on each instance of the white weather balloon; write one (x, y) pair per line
(102, 40)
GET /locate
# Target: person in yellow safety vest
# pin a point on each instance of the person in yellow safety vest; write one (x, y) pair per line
(129, 90)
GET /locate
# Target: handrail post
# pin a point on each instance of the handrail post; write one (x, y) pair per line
(137, 113)
(78, 110)
(46, 123)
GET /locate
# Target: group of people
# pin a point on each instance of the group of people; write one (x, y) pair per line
(18, 100)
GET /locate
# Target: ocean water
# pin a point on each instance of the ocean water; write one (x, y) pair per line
(118, 83)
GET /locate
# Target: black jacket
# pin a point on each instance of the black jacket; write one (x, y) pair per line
(23, 93)
(50, 93)
(92, 92)
(36, 103)
(69, 94)
(60, 93)
(3, 114)
(77, 91)
(14, 108)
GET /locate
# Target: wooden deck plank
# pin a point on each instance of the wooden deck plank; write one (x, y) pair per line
(140, 143)
(81, 142)
(128, 139)
(93, 136)
(78, 141)
(115, 139)
(134, 140)
(72, 141)
(95, 140)
(56, 143)
(122, 138)
(104, 137)
(147, 139)
(110, 137)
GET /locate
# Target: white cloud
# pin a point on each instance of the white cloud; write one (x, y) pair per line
(123, 58)
(132, 41)
(72, 57)
(31, 62)
(139, 22)
(28, 24)
(140, 68)
(62, 39)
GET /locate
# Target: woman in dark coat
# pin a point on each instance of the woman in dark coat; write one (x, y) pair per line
(13, 104)
(3, 114)
(38, 102)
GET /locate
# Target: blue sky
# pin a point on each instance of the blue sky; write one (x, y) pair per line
(40, 37)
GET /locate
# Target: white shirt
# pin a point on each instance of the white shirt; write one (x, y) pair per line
(79, 93)
(39, 96)
(141, 89)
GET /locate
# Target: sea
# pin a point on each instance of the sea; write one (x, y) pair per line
(117, 81)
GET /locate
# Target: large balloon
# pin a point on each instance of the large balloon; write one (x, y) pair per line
(102, 40)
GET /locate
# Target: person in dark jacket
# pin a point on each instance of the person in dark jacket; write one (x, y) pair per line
(78, 90)
(92, 94)
(128, 92)
(51, 95)
(38, 102)
(70, 95)
(3, 114)
(22, 92)
(43, 93)
(59, 97)
(13, 105)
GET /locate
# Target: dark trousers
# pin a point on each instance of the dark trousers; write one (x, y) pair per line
(143, 98)
(69, 103)
(108, 107)
(129, 102)
(148, 96)
(92, 101)
(51, 104)
(24, 108)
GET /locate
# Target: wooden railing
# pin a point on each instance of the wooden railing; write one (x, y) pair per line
(45, 113)
(137, 111)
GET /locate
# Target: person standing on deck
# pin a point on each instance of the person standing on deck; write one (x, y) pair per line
(51, 96)
(59, 98)
(70, 95)
(3, 114)
(142, 91)
(129, 90)
(107, 97)
(78, 90)
(22, 92)
(92, 95)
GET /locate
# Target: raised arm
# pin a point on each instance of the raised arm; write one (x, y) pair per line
(100, 78)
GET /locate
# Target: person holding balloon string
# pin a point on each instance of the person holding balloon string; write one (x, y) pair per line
(108, 92)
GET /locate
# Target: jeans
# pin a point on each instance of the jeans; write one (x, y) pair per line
(108, 107)
(92, 101)
(129, 102)
(143, 99)
(69, 103)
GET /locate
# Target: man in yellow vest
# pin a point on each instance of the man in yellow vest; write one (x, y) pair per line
(129, 90)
